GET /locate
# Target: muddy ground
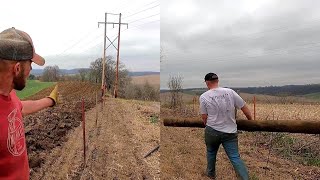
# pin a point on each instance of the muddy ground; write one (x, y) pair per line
(47, 129)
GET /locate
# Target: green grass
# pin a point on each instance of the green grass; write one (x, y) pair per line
(32, 87)
(315, 96)
(154, 118)
(313, 162)
(253, 176)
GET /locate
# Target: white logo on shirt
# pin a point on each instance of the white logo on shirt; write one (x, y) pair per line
(223, 103)
(16, 139)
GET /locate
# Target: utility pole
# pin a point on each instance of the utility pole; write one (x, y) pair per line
(118, 52)
(117, 48)
(104, 56)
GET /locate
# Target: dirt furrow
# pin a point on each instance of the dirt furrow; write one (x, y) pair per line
(115, 147)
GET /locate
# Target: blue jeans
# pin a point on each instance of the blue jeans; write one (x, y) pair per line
(229, 142)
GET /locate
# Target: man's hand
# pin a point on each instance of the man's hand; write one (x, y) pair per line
(204, 118)
(54, 96)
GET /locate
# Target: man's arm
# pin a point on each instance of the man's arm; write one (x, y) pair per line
(203, 110)
(29, 107)
(204, 118)
(240, 103)
(246, 111)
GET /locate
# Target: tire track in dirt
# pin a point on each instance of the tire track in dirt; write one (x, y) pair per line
(122, 158)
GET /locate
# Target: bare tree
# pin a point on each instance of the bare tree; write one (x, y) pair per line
(175, 86)
(149, 92)
(51, 73)
(144, 92)
(83, 72)
(95, 70)
(95, 74)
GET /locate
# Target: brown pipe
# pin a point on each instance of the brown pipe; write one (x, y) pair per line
(292, 126)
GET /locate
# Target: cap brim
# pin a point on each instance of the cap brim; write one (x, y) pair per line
(38, 60)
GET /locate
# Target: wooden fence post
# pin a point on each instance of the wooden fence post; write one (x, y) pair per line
(84, 132)
(254, 107)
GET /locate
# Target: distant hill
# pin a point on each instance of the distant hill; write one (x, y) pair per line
(310, 90)
(283, 90)
(38, 72)
(143, 73)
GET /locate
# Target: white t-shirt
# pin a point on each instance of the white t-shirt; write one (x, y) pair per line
(219, 104)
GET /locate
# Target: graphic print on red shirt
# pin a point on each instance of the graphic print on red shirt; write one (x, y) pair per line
(16, 139)
(13, 154)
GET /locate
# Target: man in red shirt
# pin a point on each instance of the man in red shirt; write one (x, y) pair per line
(16, 55)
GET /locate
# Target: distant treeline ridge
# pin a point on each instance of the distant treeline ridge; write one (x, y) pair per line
(289, 90)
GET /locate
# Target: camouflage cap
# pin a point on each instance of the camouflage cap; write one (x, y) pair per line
(17, 45)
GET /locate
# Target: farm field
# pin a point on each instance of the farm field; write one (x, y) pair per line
(153, 80)
(267, 155)
(126, 130)
(32, 87)
(263, 99)
(313, 96)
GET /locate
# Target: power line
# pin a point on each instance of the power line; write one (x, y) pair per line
(132, 27)
(124, 4)
(143, 18)
(141, 6)
(97, 44)
(140, 25)
(67, 54)
(142, 11)
(91, 32)
(70, 47)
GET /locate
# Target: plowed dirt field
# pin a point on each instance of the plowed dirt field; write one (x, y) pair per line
(126, 130)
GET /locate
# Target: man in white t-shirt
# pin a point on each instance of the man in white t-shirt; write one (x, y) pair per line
(217, 107)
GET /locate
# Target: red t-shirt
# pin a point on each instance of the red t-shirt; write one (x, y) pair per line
(13, 153)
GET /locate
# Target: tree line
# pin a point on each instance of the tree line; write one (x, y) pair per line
(126, 88)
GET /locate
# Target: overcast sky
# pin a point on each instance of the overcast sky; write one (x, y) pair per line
(246, 42)
(66, 33)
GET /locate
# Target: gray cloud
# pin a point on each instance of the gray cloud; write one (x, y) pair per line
(277, 43)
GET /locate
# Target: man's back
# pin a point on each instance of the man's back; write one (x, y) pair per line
(219, 103)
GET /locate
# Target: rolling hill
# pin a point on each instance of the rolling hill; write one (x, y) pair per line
(38, 72)
(308, 91)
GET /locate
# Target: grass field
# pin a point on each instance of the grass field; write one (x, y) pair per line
(32, 87)
(153, 80)
(315, 96)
